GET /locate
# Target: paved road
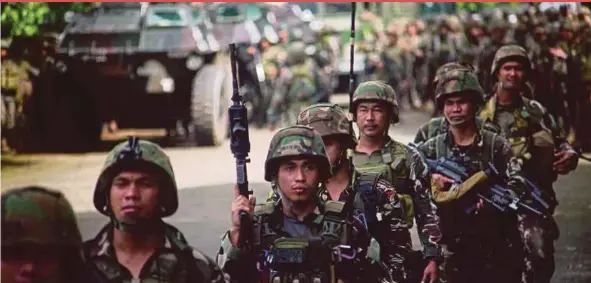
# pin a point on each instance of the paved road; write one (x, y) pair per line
(205, 177)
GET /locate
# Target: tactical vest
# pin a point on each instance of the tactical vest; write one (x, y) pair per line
(287, 259)
(527, 138)
(391, 164)
(478, 163)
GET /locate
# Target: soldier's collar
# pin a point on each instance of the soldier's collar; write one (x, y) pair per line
(310, 218)
(173, 239)
(478, 141)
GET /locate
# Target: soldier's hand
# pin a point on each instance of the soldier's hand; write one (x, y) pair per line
(562, 161)
(240, 203)
(441, 181)
(430, 274)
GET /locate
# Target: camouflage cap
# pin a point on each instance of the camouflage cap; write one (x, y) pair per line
(38, 216)
(449, 67)
(459, 81)
(327, 119)
(376, 91)
(510, 53)
(296, 141)
(141, 155)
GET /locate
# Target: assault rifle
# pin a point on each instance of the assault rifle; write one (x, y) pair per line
(496, 195)
(240, 146)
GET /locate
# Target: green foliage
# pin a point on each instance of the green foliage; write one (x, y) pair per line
(477, 6)
(27, 18)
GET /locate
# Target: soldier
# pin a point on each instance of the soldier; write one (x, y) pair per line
(480, 246)
(538, 145)
(136, 189)
(394, 64)
(439, 125)
(298, 238)
(16, 91)
(297, 88)
(374, 106)
(330, 121)
(498, 32)
(33, 250)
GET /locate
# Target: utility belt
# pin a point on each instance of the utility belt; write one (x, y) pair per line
(303, 260)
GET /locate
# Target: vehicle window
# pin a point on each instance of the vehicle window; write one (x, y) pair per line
(166, 17)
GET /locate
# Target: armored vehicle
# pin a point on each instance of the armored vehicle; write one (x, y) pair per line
(151, 70)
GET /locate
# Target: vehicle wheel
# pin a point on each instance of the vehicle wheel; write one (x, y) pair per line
(212, 89)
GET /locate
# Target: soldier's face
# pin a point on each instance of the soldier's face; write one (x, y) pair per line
(134, 196)
(372, 119)
(511, 75)
(458, 110)
(334, 148)
(298, 179)
(31, 265)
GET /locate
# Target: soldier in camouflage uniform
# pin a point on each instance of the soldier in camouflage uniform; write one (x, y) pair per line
(297, 87)
(322, 233)
(439, 125)
(17, 88)
(33, 250)
(498, 32)
(394, 64)
(538, 145)
(136, 189)
(374, 106)
(363, 190)
(478, 246)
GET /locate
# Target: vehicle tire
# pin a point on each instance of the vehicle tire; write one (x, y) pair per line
(212, 89)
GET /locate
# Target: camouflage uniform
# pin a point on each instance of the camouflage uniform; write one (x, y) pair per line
(392, 230)
(331, 225)
(297, 86)
(395, 65)
(477, 247)
(534, 138)
(29, 219)
(404, 168)
(176, 261)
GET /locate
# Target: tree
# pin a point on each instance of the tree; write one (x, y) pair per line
(30, 18)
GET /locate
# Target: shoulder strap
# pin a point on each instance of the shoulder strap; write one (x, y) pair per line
(440, 147)
(489, 140)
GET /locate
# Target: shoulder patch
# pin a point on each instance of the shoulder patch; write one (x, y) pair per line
(264, 208)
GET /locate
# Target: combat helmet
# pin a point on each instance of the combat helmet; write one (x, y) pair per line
(376, 91)
(328, 120)
(459, 81)
(143, 155)
(38, 216)
(449, 67)
(510, 53)
(296, 141)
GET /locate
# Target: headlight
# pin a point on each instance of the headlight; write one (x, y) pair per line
(194, 62)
